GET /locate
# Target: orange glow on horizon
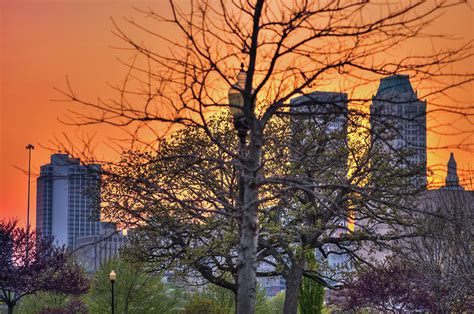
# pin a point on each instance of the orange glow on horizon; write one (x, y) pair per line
(43, 42)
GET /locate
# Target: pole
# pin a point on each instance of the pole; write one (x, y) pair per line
(113, 303)
(29, 147)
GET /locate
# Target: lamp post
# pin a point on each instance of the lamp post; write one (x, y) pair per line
(112, 277)
(29, 147)
(236, 106)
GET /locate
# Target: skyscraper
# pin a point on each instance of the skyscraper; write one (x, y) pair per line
(319, 124)
(64, 206)
(324, 109)
(398, 124)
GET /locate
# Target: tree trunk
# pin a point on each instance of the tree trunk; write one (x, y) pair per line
(293, 285)
(247, 268)
(10, 308)
(247, 272)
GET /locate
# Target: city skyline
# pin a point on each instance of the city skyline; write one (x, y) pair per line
(40, 51)
(311, 148)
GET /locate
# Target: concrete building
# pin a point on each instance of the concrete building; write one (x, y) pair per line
(398, 124)
(92, 251)
(320, 130)
(64, 205)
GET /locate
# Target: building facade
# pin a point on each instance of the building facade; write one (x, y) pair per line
(319, 125)
(91, 251)
(398, 124)
(65, 199)
(327, 110)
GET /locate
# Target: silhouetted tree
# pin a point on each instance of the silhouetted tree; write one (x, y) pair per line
(181, 203)
(45, 268)
(444, 253)
(287, 48)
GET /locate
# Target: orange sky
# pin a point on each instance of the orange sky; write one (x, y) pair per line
(43, 41)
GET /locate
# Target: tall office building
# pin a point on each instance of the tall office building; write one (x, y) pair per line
(327, 110)
(64, 205)
(398, 124)
(319, 124)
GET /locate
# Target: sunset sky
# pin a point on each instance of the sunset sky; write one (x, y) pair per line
(42, 42)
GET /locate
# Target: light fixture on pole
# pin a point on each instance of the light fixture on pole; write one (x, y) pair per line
(236, 103)
(236, 107)
(112, 277)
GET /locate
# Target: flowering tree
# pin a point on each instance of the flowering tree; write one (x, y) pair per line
(44, 268)
(391, 287)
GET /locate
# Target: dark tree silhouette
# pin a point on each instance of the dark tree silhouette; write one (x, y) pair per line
(288, 48)
(45, 268)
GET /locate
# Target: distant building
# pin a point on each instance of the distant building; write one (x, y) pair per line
(92, 251)
(452, 179)
(319, 125)
(271, 284)
(451, 201)
(64, 206)
(327, 110)
(398, 124)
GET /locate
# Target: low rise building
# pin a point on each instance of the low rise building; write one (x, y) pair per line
(94, 250)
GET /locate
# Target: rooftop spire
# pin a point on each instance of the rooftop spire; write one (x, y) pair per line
(452, 179)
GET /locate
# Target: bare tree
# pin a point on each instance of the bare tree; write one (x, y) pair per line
(287, 50)
(444, 255)
(431, 272)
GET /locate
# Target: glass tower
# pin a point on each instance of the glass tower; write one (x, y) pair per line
(66, 194)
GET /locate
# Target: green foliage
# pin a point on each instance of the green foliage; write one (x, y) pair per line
(311, 296)
(221, 300)
(35, 303)
(273, 305)
(221, 296)
(136, 290)
(201, 305)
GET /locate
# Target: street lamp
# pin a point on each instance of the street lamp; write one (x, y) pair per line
(112, 277)
(236, 104)
(236, 107)
(29, 147)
